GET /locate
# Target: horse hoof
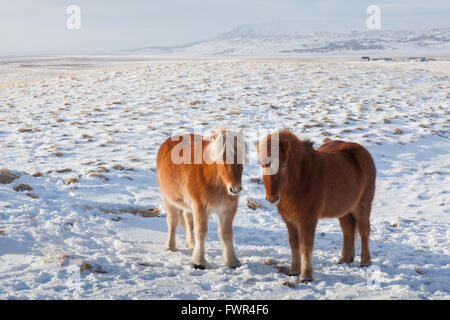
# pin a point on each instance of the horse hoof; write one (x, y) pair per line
(346, 260)
(365, 264)
(199, 266)
(235, 265)
(306, 280)
(170, 249)
(293, 273)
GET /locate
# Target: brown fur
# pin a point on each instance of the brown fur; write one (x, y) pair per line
(335, 181)
(191, 192)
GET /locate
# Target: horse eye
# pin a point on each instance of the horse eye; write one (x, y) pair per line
(283, 166)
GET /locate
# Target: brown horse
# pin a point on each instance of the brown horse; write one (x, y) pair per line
(335, 181)
(199, 176)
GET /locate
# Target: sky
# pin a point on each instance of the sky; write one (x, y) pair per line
(40, 26)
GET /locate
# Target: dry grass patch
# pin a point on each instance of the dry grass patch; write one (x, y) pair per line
(71, 180)
(257, 180)
(25, 130)
(102, 169)
(252, 204)
(289, 284)
(99, 175)
(6, 176)
(23, 187)
(85, 136)
(146, 213)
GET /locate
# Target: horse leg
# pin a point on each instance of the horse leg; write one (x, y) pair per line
(173, 215)
(226, 236)
(200, 229)
(307, 232)
(189, 229)
(362, 216)
(295, 248)
(348, 226)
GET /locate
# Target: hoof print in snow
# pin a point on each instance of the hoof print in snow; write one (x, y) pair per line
(6, 176)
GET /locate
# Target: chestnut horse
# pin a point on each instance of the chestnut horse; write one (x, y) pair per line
(199, 176)
(335, 181)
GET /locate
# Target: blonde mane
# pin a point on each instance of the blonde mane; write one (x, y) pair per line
(224, 144)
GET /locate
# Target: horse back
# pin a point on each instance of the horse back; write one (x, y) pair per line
(358, 156)
(174, 178)
(350, 168)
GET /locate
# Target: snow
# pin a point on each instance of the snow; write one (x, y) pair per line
(286, 40)
(117, 111)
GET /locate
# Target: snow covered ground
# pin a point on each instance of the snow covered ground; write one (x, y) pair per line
(80, 146)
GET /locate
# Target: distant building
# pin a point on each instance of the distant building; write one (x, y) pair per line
(365, 58)
(383, 59)
(417, 59)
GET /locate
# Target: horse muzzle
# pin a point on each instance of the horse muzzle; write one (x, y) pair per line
(234, 191)
(274, 200)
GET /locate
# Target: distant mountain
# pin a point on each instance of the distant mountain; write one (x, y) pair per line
(270, 40)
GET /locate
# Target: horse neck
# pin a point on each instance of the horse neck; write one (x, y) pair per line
(302, 160)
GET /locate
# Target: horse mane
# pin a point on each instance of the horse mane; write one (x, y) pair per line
(287, 135)
(221, 140)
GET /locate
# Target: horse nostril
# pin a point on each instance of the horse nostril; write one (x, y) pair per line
(273, 200)
(235, 191)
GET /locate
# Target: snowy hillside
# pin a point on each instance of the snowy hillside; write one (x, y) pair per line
(81, 215)
(282, 41)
